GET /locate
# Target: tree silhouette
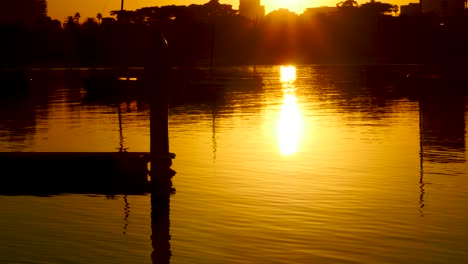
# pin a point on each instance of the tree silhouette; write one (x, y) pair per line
(347, 4)
(26, 12)
(214, 8)
(77, 17)
(70, 23)
(123, 16)
(378, 8)
(99, 17)
(88, 45)
(90, 22)
(29, 35)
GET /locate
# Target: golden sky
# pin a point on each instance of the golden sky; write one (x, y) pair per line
(59, 9)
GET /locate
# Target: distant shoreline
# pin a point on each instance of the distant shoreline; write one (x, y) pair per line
(84, 68)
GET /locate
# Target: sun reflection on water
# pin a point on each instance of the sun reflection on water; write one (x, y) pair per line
(287, 74)
(290, 123)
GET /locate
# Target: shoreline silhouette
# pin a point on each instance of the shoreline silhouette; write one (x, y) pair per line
(349, 33)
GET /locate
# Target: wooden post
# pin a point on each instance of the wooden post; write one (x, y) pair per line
(156, 72)
(159, 125)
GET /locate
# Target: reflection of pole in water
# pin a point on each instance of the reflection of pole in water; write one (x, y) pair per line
(213, 137)
(421, 160)
(126, 214)
(160, 235)
(121, 137)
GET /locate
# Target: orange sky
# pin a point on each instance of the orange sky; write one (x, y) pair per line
(59, 9)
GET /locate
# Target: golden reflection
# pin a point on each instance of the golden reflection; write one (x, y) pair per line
(288, 74)
(290, 123)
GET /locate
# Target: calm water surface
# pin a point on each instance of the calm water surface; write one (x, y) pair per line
(316, 165)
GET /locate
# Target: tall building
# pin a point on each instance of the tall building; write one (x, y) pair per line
(251, 9)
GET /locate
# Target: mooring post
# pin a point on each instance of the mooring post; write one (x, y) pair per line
(156, 71)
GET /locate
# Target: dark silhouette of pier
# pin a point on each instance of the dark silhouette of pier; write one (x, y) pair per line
(119, 172)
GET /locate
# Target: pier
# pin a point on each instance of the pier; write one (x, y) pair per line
(74, 172)
(120, 172)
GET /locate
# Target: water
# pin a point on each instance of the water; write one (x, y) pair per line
(318, 165)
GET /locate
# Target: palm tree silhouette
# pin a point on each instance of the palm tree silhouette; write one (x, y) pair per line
(69, 23)
(99, 17)
(77, 17)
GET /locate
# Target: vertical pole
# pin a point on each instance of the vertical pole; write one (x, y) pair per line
(255, 43)
(159, 124)
(212, 47)
(123, 38)
(161, 158)
(420, 7)
(156, 71)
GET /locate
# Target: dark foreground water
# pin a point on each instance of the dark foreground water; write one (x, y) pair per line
(316, 165)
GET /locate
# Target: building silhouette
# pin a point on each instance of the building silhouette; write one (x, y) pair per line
(456, 7)
(324, 10)
(411, 9)
(251, 9)
(452, 8)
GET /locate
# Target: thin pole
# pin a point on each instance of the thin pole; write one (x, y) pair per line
(122, 5)
(213, 137)
(212, 47)
(255, 44)
(420, 7)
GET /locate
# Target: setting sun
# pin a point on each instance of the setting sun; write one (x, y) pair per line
(296, 6)
(287, 74)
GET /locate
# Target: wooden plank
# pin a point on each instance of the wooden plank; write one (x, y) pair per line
(73, 172)
(52, 155)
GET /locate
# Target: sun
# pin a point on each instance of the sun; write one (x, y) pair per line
(297, 6)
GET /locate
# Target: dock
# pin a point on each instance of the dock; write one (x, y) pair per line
(46, 173)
